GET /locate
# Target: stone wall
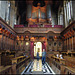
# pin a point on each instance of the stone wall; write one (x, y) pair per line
(8, 12)
(73, 9)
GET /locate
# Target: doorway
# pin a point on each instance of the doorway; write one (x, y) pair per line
(37, 47)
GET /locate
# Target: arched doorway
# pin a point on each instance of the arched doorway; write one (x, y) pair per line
(37, 46)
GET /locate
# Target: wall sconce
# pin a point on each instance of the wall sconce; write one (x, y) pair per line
(55, 37)
(27, 43)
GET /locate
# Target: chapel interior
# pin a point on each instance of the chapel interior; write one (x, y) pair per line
(31, 25)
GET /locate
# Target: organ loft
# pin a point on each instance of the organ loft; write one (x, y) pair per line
(37, 37)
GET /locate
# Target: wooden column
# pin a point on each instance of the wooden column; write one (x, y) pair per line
(70, 43)
(14, 68)
(0, 41)
(63, 45)
(11, 44)
(1, 35)
(66, 44)
(18, 45)
(0, 59)
(3, 41)
(7, 42)
(74, 43)
(24, 43)
(14, 43)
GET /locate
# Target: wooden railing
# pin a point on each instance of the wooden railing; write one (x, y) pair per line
(68, 54)
(22, 64)
(59, 60)
(18, 59)
(6, 70)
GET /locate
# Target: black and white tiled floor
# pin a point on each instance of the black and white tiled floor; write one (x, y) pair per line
(36, 67)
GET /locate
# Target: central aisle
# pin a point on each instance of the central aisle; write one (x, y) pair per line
(36, 67)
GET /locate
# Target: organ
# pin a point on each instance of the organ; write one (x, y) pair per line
(38, 14)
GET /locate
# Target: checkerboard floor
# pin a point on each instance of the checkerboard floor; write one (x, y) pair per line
(36, 67)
